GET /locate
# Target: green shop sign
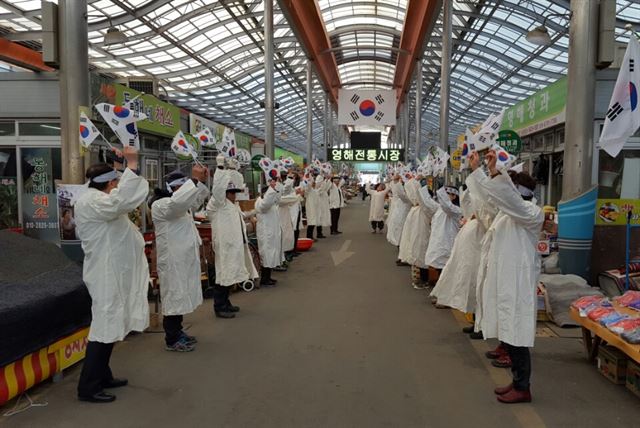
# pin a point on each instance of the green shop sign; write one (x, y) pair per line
(162, 118)
(510, 141)
(542, 110)
(282, 153)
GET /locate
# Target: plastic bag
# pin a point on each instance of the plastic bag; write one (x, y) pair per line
(612, 318)
(629, 298)
(599, 313)
(586, 301)
(625, 325)
(632, 336)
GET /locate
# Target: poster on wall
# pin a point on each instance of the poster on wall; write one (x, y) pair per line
(613, 212)
(8, 202)
(68, 194)
(39, 213)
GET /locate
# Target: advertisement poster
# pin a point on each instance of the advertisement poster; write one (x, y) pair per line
(68, 194)
(8, 202)
(39, 213)
(613, 212)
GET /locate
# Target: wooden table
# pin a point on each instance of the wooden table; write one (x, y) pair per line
(595, 335)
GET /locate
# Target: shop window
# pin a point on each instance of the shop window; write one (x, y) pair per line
(7, 129)
(526, 145)
(548, 142)
(618, 177)
(538, 143)
(8, 189)
(560, 139)
(39, 129)
(151, 172)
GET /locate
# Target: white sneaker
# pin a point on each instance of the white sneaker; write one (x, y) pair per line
(419, 286)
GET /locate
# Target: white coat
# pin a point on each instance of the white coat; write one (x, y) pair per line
(178, 248)
(510, 264)
(324, 215)
(230, 243)
(400, 206)
(456, 287)
(287, 222)
(268, 230)
(417, 228)
(115, 267)
(311, 204)
(336, 196)
(376, 206)
(444, 228)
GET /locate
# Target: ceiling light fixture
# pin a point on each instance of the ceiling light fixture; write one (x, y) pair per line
(113, 36)
(540, 34)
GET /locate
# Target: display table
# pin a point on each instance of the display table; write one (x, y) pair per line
(595, 334)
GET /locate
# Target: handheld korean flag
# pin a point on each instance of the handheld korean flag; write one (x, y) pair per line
(182, 148)
(206, 138)
(279, 165)
(88, 131)
(326, 168)
(623, 117)
(406, 174)
(122, 122)
(227, 146)
(504, 158)
(269, 168)
(440, 158)
(288, 163)
(488, 134)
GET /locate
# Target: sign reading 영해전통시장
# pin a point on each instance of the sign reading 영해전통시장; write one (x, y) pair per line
(362, 155)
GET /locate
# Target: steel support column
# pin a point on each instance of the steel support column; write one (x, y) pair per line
(445, 74)
(418, 106)
(309, 113)
(74, 84)
(325, 123)
(407, 129)
(578, 147)
(269, 104)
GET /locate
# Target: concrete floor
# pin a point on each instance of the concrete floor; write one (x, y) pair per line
(351, 345)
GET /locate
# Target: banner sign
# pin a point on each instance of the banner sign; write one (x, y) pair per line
(362, 155)
(456, 159)
(613, 212)
(542, 110)
(162, 118)
(39, 214)
(366, 107)
(510, 141)
(68, 194)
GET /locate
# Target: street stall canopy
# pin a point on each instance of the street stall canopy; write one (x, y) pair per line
(207, 56)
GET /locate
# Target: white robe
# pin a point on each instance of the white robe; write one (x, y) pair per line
(444, 228)
(400, 205)
(268, 229)
(336, 196)
(417, 227)
(312, 200)
(510, 264)
(456, 286)
(115, 268)
(178, 249)
(324, 215)
(376, 205)
(233, 260)
(287, 223)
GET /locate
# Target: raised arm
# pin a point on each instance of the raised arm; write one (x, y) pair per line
(429, 206)
(178, 204)
(130, 193)
(448, 207)
(268, 200)
(507, 199)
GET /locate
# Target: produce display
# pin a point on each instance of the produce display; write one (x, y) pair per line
(600, 309)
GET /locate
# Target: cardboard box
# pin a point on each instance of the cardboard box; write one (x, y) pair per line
(612, 363)
(633, 377)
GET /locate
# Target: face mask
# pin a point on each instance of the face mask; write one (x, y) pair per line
(423, 182)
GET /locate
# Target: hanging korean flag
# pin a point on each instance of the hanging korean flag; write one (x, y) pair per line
(623, 116)
(206, 138)
(88, 131)
(182, 148)
(366, 107)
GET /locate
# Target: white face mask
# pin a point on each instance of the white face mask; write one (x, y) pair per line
(525, 192)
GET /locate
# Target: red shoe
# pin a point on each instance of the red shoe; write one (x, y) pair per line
(515, 396)
(503, 389)
(496, 353)
(504, 362)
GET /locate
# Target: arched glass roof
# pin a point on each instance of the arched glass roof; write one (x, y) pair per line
(208, 55)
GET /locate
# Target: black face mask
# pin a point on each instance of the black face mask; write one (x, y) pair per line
(423, 182)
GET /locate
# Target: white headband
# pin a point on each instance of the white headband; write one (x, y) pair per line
(178, 182)
(524, 191)
(452, 191)
(106, 177)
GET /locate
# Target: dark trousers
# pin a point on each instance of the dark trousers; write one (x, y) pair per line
(424, 275)
(265, 274)
(310, 231)
(296, 232)
(172, 325)
(335, 218)
(221, 298)
(520, 366)
(378, 224)
(95, 370)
